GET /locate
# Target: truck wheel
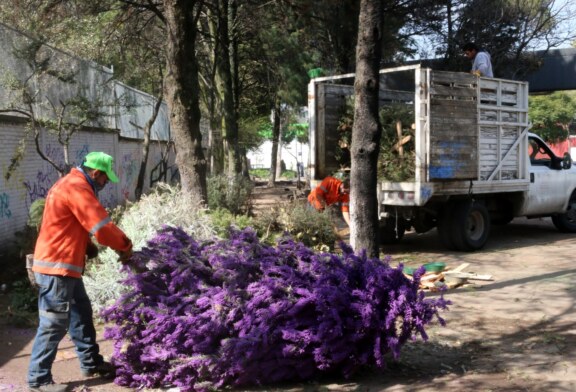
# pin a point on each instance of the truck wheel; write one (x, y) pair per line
(392, 230)
(566, 222)
(470, 225)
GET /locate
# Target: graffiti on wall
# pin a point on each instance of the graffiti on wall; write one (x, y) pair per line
(56, 154)
(5, 212)
(38, 187)
(81, 153)
(129, 175)
(163, 171)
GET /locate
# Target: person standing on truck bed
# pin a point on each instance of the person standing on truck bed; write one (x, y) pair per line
(330, 191)
(482, 65)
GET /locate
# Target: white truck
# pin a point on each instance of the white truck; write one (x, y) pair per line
(476, 163)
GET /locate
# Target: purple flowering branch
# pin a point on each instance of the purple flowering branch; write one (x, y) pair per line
(237, 312)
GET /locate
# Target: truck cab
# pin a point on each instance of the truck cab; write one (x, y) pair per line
(552, 184)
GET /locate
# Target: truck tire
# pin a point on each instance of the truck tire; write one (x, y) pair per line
(470, 225)
(566, 222)
(392, 230)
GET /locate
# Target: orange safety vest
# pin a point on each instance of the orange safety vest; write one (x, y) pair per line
(328, 193)
(73, 213)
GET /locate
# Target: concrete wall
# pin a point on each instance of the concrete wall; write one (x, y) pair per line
(118, 132)
(34, 176)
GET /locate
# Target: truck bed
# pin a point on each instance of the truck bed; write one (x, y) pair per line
(470, 133)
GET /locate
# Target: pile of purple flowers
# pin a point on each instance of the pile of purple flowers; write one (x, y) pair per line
(237, 312)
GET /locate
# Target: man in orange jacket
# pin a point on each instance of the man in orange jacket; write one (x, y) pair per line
(72, 215)
(330, 191)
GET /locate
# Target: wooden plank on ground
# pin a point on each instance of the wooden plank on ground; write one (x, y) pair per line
(468, 275)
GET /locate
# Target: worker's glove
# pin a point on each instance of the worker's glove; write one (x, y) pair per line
(131, 262)
(31, 277)
(91, 250)
(124, 257)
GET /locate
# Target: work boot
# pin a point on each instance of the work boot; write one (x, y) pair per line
(105, 370)
(49, 388)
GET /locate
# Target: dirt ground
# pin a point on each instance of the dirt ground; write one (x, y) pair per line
(515, 333)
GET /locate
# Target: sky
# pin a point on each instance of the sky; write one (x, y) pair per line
(566, 10)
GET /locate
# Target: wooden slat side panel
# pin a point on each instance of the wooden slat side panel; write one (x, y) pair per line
(386, 96)
(456, 92)
(495, 142)
(453, 156)
(453, 127)
(453, 78)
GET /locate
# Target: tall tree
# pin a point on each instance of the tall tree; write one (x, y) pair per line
(283, 75)
(221, 21)
(182, 85)
(366, 130)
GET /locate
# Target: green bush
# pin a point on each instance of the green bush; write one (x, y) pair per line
(164, 205)
(222, 220)
(265, 174)
(231, 193)
(23, 309)
(288, 174)
(35, 213)
(313, 229)
(260, 173)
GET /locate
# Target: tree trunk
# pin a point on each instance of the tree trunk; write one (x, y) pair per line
(275, 139)
(182, 86)
(366, 131)
(216, 146)
(220, 22)
(279, 165)
(146, 148)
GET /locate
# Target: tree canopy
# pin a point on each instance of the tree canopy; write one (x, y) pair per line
(552, 115)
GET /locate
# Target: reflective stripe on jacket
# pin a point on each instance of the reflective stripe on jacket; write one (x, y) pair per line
(328, 193)
(72, 213)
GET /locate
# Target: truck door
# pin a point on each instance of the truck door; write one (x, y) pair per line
(546, 193)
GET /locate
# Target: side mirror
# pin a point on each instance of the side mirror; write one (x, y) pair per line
(566, 161)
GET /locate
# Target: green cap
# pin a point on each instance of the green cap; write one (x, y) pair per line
(103, 162)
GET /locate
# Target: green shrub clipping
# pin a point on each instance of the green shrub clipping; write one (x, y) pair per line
(312, 228)
(231, 193)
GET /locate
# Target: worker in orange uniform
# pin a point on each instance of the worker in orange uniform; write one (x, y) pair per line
(330, 191)
(72, 215)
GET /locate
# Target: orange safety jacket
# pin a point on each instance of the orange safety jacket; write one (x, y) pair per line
(328, 193)
(73, 213)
